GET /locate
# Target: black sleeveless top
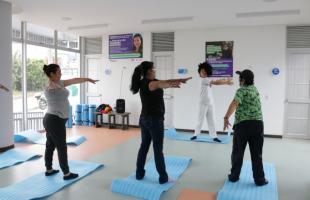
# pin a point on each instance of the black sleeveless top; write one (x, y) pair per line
(153, 104)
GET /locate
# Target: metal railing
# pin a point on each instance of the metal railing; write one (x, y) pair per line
(35, 121)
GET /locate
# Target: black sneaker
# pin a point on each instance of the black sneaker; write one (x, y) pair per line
(217, 140)
(140, 176)
(194, 138)
(261, 183)
(54, 171)
(71, 176)
(233, 179)
(163, 180)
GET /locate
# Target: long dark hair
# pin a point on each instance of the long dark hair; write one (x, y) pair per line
(140, 71)
(51, 68)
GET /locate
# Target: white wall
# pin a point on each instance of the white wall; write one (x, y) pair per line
(111, 83)
(6, 98)
(261, 47)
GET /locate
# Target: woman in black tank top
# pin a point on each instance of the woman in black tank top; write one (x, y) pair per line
(152, 115)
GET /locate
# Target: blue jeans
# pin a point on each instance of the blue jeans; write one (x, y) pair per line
(152, 129)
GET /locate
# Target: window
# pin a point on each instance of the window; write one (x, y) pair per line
(68, 41)
(70, 68)
(41, 49)
(40, 35)
(37, 56)
(17, 86)
(16, 30)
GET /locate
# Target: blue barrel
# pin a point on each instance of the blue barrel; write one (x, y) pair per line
(69, 121)
(91, 113)
(78, 114)
(85, 116)
(91, 124)
(78, 108)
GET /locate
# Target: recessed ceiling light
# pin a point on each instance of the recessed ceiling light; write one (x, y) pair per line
(167, 20)
(91, 26)
(66, 18)
(268, 13)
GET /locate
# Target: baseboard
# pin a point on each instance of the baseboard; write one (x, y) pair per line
(6, 148)
(133, 126)
(274, 136)
(225, 133)
(107, 125)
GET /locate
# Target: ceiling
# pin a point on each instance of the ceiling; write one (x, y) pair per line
(98, 17)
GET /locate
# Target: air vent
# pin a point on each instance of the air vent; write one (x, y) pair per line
(298, 37)
(162, 42)
(93, 46)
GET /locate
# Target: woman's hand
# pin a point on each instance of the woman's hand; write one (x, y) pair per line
(92, 81)
(226, 123)
(184, 80)
(174, 84)
(4, 88)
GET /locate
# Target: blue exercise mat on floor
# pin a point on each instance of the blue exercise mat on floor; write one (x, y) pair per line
(174, 135)
(76, 140)
(39, 186)
(31, 136)
(14, 156)
(149, 187)
(245, 188)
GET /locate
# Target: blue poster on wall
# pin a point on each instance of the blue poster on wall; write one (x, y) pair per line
(220, 56)
(125, 46)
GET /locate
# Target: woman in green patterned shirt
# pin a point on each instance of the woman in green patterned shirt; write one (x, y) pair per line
(248, 128)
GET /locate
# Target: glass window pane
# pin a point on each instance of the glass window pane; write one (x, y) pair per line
(40, 35)
(66, 40)
(17, 86)
(69, 63)
(36, 80)
(16, 29)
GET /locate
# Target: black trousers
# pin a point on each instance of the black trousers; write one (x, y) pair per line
(152, 129)
(252, 132)
(56, 138)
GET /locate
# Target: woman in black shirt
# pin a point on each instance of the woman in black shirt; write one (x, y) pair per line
(152, 115)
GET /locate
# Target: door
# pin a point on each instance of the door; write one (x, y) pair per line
(94, 67)
(164, 66)
(298, 96)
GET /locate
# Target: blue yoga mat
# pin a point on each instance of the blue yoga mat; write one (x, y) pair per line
(76, 140)
(174, 135)
(39, 186)
(149, 187)
(245, 189)
(31, 136)
(14, 156)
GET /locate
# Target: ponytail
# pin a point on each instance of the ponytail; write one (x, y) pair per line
(140, 71)
(135, 79)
